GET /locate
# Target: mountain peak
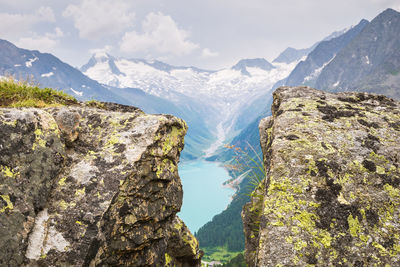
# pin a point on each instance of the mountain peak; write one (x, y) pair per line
(387, 15)
(291, 54)
(260, 63)
(389, 11)
(101, 56)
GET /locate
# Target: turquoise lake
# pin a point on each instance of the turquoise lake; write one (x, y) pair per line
(203, 193)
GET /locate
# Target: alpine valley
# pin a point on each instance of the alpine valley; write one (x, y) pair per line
(225, 106)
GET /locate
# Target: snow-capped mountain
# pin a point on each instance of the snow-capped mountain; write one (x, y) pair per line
(157, 78)
(221, 92)
(260, 63)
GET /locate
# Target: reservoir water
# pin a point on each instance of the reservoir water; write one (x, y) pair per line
(203, 193)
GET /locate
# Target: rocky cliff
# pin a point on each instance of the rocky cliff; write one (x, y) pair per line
(331, 194)
(91, 185)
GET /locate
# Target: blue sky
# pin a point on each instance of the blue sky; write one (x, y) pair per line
(209, 34)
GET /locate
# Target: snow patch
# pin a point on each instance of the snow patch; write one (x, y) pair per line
(219, 142)
(47, 74)
(28, 64)
(77, 92)
(318, 71)
(367, 60)
(336, 84)
(17, 65)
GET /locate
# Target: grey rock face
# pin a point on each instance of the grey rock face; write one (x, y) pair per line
(371, 62)
(307, 72)
(332, 191)
(255, 63)
(290, 55)
(91, 186)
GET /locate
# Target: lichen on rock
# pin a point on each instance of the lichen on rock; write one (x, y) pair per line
(331, 195)
(90, 186)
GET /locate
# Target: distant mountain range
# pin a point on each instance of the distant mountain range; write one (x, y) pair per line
(220, 95)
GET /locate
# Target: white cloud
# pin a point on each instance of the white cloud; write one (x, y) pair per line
(44, 42)
(387, 3)
(17, 24)
(101, 51)
(105, 49)
(58, 32)
(161, 36)
(95, 19)
(45, 13)
(207, 53)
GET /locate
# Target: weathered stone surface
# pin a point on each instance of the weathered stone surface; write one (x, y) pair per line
(331, 194)
(90, 186)
(31, 157)
(183, 248)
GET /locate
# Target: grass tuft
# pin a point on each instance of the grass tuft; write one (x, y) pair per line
(23, 94)
(220, 254)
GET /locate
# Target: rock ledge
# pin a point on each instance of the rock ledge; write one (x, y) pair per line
(331, 195)
(91, 185)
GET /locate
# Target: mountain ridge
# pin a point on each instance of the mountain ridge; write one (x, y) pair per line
(373, 57)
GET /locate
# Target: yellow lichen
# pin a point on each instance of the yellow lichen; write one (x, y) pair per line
(130, 219)
(166, 164)
(64, 205)
(80, 192)
(62, 181)
(39, 141)
(171, 140)
(354, 225)
(9, 206)
(168, 259)
(10, 123)
(8, 172)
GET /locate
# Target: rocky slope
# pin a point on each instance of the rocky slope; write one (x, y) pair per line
(372, 60)
(91, 185)
(308, 70)
(331, 194)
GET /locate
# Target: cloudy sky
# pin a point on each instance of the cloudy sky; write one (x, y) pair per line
(209, 34)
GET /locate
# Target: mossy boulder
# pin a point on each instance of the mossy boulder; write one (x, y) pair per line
(88, 185)
(332, 191)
